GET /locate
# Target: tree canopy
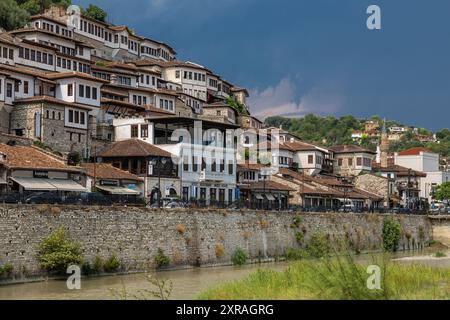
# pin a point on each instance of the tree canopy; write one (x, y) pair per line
(442, 192)
(95, 12)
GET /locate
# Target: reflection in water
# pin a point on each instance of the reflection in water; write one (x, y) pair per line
(187, 284)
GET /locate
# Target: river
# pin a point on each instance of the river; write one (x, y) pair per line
(187, 283)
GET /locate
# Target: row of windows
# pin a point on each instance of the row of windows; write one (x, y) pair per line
(6, 53)
(166, 104)
(195, 93)
(212, 194)
(92, 29)
(149, 51)
(77, 117)
(360, 161)
(85, 91)
(135, 131)
(213, 83)
(146, 79)
(124, 80)
(140, 100)
(102, 75)
(37, 56)
(53, 115)
(132, 45)
(250, 175)
(165, 54)
(55, 28)
(193, 103)
(72, 65)
(215, 167)
(191, 76)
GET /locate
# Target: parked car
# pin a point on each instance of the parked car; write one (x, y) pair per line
(347, 208)
(43, 198)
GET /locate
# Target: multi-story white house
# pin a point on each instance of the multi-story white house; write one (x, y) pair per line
(422, 159)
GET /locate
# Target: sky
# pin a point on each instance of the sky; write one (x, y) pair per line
(311, 56)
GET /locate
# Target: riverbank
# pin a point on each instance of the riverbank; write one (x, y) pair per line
(338, 278)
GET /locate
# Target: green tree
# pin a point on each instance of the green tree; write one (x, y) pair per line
(11, 15)
(95, 12)
(392, 231)
(442, 192)
(58, 251)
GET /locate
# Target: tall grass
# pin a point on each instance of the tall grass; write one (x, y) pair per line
(338, 277)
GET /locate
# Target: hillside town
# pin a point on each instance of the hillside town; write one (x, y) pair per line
(91, 112)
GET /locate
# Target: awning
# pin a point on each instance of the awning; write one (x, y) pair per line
(67, 185)
(270, 197)
(258, 196)
(35, 184)
(118, 190)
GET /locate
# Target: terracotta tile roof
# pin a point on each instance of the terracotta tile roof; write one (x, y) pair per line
(23, 70)
(250, 166)
(413, 151)
(301, 146)
(132, 148)
(22, 157)
(49, 99)
(122, 104)
(74, 74)
(349, 149)
(399, 170)
(107, 171)
(269, 185)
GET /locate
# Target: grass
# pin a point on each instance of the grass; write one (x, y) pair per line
(337, 278)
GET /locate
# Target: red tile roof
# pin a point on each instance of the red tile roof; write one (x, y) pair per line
(269, 185)
(413, 151)
(350, 149)
(132, 148)
(107, 171)
(22, 157)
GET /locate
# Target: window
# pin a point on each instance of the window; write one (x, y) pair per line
(177, 74)
(16, 87)
(310, 159)
(70, 89)
(82, 118)
(25, 87)
(9, 90)
(44, 58)
(185, 163)
(20, 52)
(144, 130)
(94, 93)
(340, 162)
(359, 161)
(350, 162)
(88, 92)
(213, 166)
(27, 53)
(134, 131)
(81, 90)
(194, 164)
(71, 116)
(230, 167)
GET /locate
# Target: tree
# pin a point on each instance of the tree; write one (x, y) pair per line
(94, 12)
(442, 192)
(11, 15)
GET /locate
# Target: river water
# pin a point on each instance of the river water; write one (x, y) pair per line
(187, 283)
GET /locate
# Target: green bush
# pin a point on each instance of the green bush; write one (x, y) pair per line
(97, 266)
(58, 251)
(318, 246)
(74, 158)
(112, 264)
(86, 269)
(391, 234)
(161, 259)
(299, 237)
(239, 257)
(6, 269)
(440, 254)
(295, 254)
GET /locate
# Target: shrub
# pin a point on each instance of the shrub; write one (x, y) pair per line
(239, 257)
(299, 237)
(74, 158)
(161, 259)
(112, 264)
(97, 266)
(318, 246)
(58, 251)
(220, 250)
(391, 234)
(296, 222)
(6, 269)
(295, 254)
(440, 254)
(87, 269)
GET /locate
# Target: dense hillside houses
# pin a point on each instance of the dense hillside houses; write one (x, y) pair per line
(144, 124)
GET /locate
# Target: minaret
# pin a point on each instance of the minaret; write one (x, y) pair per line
(384, 147)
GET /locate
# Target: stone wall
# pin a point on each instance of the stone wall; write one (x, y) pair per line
(188, 237)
